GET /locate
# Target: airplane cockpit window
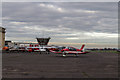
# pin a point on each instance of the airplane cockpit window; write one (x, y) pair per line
(72, 49)
(67, 48)
(63, 47)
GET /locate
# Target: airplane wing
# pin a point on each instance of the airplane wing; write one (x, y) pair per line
(69, 52)
(75, 52)
(55, 52)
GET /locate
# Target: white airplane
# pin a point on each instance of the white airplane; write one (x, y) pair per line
(40, 48)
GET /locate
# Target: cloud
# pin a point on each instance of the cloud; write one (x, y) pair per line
(52, 7)
(103, 35)
(17, 23)
(73, 38)
(63, 21)
(86, 11)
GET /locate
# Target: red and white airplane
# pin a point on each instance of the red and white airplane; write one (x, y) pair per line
(69, 50)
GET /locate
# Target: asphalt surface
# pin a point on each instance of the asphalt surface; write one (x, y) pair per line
(35, 65)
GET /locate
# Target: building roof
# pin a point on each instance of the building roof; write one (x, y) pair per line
(2, 29)
(43, 41)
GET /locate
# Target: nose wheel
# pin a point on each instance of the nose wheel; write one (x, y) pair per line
(76, 54)
(63, 54)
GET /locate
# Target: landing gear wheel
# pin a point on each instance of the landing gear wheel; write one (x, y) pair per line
(63, 53)
(76, 54)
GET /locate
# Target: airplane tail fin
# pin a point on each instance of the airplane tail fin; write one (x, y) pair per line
(82, 47)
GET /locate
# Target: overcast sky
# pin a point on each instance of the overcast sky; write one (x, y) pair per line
(64, 22)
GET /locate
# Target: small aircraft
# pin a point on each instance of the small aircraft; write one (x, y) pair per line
(41, 48)
(69, 50)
